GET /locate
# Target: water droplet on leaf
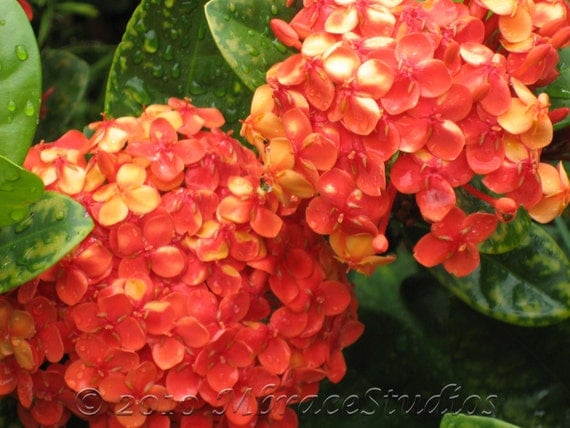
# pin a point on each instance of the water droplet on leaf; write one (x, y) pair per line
(157, 71)
(60, 215)
(136, 89)
(11, 106)
(21, 52)
(138, 57)
(18, 214)
(29, 109)
(151, 42)
(168, 53)
(175, 71)
(274, 9)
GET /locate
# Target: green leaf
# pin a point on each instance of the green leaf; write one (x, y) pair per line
(66, 76)
(241, 31)
(20, 79)
(167, 51)
(54, 226)
(459, 420)
(18, 189)
(527, 286)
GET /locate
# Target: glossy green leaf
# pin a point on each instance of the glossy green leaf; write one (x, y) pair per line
(167, 51)
(241, 30)
(459, 420)
(18, 190)
(527, 286)
(65, 77)
(20, 80)
(54, 226)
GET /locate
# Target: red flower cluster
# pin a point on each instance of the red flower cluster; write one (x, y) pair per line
(388, 96)
(194, 301)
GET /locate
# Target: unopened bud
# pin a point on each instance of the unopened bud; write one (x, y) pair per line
(380, 244)
(506, 209)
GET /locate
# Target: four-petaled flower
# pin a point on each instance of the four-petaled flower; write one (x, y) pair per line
(453, 241)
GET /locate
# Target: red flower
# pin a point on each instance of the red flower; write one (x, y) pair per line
(453, 241)
(418, 74)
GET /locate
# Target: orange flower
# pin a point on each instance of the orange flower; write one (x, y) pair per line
(127, 194)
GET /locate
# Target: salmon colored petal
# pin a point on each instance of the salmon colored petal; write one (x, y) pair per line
(222, 376)
(266, 223)
(547, 209)
(540, 134)
(194, 334)
(233, 209)
(281, 154)
(503, 180)
(287, 323)
(446, 140)
(463, 262)
(335, 297)
(321, 151)
(431, 251)
(317, 44)
(342, 20)
(113, 386)
(276, 356)
(132, 335)
(375, 78)
(475, 53)
(71, 179)
(403, 95)
(142, 200)
(341, 64)
(485, 157)
(361, 115)
(433, 78)
(183, 385)
(480, 226)
(297, 125)
(498, 99)
(550, 178)
(296, 184)
(321, 216)
(406, 175)
(131, 175)
(518, 27)
(518, 118)
(113, 211)
(289, 73)
(71, 286)
(436, 201)
(414, 132)
(167, 353)
(319, 89)
(414, 48)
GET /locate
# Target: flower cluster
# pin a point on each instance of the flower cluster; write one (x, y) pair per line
(195, 300)
(390, 97)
